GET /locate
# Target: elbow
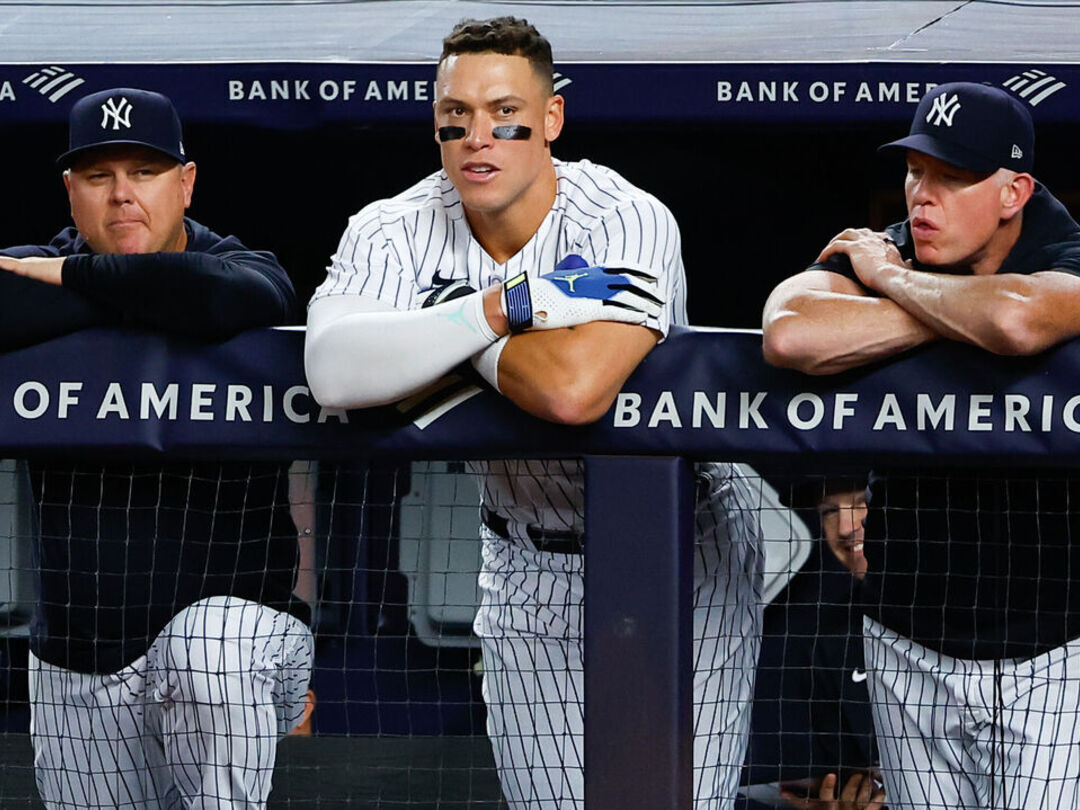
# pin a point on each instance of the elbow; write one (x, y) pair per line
(785, 346)
(578, 412)
(1013, 332)
(325, 381)
(574, 403)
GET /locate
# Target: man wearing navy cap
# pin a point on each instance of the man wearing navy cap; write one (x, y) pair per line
(168, 651)
(972, 608)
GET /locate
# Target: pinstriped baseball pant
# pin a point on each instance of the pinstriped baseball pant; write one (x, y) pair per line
(192, 724)
(956, 734)
(530, 622)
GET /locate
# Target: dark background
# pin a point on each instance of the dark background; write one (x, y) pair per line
(755, 203)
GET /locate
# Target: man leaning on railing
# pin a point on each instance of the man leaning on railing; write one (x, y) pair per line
(168, 652)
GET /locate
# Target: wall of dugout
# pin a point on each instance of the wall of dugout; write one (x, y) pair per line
(703, 394)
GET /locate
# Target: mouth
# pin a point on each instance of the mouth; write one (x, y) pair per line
(923, 228)
(479, 172)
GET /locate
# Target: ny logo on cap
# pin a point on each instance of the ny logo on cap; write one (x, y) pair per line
(118, 113)
(945, 107)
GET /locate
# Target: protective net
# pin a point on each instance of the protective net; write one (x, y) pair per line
(410, 643)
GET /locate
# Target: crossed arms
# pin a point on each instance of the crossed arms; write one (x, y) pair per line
(821, 322)
(363, 352)
(205, 295)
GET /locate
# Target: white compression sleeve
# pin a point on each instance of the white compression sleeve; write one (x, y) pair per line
(361, 352)
(486, 361)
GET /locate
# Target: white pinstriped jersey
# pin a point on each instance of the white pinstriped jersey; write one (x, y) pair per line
(393, 249)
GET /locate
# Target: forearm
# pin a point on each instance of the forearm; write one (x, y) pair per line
(358, 358)
(571, 376)
(825, 332)
(1006, 314)
(190, 293)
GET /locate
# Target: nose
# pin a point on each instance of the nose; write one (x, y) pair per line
(923, 191)
(478, 135)
(851, 522)
(122, 190)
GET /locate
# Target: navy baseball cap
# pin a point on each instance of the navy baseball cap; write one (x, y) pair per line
(973, 126)
(123, 115)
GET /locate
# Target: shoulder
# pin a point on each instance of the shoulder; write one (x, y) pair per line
(591, 194)
(1047, 211)
(203, 240)
(1049, 238)
(432, 199)
(601, 189)
(66, 243)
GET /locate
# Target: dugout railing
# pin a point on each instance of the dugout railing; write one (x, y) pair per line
(703, 394)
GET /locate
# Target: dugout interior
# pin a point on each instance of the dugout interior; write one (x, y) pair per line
(757, 123)
(686, 100)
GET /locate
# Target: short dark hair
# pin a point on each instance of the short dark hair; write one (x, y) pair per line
(510, 36)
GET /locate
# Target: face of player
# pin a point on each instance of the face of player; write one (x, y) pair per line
(509, 181)
(842, 515)
(130, 200)
(955, 214)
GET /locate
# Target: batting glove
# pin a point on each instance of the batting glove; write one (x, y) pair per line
(576, 294)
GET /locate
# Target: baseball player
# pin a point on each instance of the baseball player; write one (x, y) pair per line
(567, 275)
(972, 612)
(167, 650)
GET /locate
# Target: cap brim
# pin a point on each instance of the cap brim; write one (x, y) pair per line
(943, 150)
(65, 160)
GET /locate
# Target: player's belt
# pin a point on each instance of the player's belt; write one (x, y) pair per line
(544, 540)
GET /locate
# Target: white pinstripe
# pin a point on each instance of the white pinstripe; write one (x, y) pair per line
(530, 620)
(949, 738)
(192, 724)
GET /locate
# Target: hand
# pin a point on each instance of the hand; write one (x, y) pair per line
(39, 268)
(869, 252)
(862, 792)
(575, 294)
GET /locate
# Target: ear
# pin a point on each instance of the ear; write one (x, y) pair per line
(1016, 193)
(553, 118)
(66, 175)
(187, 180)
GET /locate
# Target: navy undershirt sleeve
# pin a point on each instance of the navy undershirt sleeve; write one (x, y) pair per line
(195, 294)
(32, 312)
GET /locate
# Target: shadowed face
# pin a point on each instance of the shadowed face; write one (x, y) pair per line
(842, 515)
(130, 199)
(496, 177)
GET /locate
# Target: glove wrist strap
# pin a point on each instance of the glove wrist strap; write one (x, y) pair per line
(517, 302)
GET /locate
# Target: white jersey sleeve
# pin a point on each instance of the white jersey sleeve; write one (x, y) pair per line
(367, 342)
(366, 263)
(617, 223)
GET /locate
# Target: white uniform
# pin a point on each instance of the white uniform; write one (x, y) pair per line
(530, 620)
(191, 724)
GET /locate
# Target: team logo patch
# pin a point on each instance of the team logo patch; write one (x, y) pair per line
(943, 110)
(118, 112)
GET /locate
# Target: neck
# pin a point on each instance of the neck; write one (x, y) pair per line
(998, 248)
(504, 232)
